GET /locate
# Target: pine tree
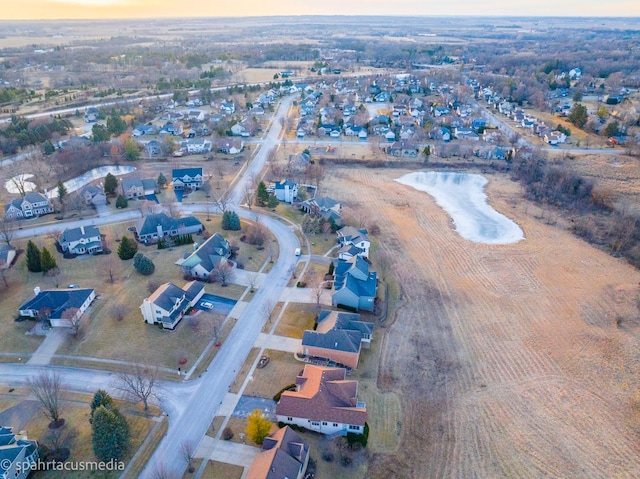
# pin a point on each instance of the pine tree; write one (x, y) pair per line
(121, 202)
(230, 221)
(110, 184)
(47, 261)
(272, 201)
(127, 249)
(162, 181)
(143, 265)
(262, 195)
(110, 433)
(33, 258)
(62, 191)
(101, 398)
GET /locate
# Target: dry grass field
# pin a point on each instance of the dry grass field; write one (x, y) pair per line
(513, 360)
(296, 319)
(220, 470)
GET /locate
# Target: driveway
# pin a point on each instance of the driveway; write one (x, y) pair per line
(19, 415)
(220, 305)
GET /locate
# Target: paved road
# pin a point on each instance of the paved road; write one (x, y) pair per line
(192, 422)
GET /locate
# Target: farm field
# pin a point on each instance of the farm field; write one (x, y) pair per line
(506, 351)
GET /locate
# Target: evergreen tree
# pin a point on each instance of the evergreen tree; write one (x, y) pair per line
(578, 115)
(110, 433)
(47, 261)
(48, 148)
(100, 133)
(127, 248)
(33, 258)
(143, 265)
(62, 191)
(162, 181)
(110, 184)
(101, 398)
(121, 202)
(272, 201)
(115, 125)
(262, 196)
(230, 221)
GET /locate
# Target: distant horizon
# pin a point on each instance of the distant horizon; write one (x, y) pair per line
(159, 9)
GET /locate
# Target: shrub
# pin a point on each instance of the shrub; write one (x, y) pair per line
(121, 202)
(347, 308)
(290, 387)
(227, 433)
(301, 284)
(357, 440)
(143, 265)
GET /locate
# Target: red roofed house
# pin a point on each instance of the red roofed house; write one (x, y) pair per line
(324, 401)
(284, 455)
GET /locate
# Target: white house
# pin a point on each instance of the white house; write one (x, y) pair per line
(169, 303)
(60, 306)
(555, 137)
(198, 145)
(191, 178)
(324, 401)
(18, 454)
(81, 240)
(286, 190)
(355, 237)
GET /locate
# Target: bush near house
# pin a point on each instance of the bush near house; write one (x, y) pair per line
(143, 265)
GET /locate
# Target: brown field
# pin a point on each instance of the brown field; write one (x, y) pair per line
(296, 319)
(514, 360)
(220, 470)
(280, 372)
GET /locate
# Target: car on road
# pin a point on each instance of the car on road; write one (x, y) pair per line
(298, 251)
(72, 286)
(206, 304)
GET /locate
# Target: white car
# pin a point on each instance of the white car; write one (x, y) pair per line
(207, 304)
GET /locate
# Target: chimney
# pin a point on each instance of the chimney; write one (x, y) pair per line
(36, 290)
(82, 230)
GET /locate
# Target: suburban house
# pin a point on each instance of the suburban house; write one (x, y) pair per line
(284, 455)
(230, 147)
(7, 255)
(169, 303)
(326, 207)
(350, 236)
(202, 262)
(151, 228)
(81, 240)
(338, 338)
(134, 188)
(93, 195)
(324, 401)
(227, 107)
(403, 148)
(60, 306)
(354, 286)
(286, 190)
(31, 205)
(555, 137)
(198, 145)
(187, 178)
(18, 454)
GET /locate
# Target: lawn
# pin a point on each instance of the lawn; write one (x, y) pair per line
(244, 370)
(281, 371)
(77, 434)
(222, 470)
(296, 319)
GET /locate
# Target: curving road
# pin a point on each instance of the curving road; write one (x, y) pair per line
(191, 406)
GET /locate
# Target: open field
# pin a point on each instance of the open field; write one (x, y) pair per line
(500, 354)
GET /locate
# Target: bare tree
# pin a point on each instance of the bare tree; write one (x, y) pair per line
(221, 199)
(110, 268)
(4, 273)
(253, 279)
(73, 317)
(118, 311)
(161, 471)
(267, 309)
(188, 451)
(152, 285)
(8, 228)
(316, 293)
(139, 384)
(46, 386)
(223, 272)
(174, 209)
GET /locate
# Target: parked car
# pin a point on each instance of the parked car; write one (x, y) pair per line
(207, 304)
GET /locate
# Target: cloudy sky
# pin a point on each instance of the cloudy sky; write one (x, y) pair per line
(57, 9)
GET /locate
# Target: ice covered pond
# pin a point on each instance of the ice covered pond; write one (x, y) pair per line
(462, 196)
(79, 181)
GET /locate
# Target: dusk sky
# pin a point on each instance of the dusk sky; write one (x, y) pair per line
(59, 9)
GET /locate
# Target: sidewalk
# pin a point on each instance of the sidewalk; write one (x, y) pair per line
(279, 343)
(224, 451)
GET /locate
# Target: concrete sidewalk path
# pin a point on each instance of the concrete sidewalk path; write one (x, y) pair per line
(279, 343)
(48, 347)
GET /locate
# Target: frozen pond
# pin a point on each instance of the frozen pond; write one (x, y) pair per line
(13, 185)
(462, 196)
(79, 181)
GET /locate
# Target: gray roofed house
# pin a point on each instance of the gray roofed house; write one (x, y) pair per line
(151, 228)
(133, 188)
(286, 190)
(187, 178)
(352, 236)
(18, 454)
(81, 240)
(31, 205)
(338, 338)
(168, 304)
(93, 195)
(354, 286)
(284, 455)
(56, 302)
(202, 262)
(324, 207)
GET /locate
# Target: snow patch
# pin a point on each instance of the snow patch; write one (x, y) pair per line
(11, 184)
(462, 196)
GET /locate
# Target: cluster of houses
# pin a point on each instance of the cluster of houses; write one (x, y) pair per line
(18, 454)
